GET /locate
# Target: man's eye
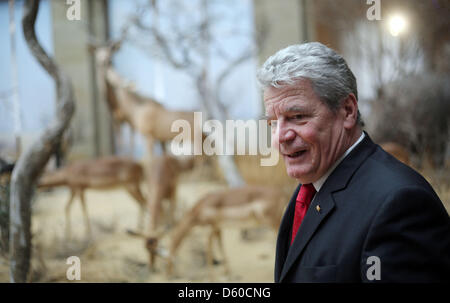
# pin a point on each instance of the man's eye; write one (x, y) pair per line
(297, 117)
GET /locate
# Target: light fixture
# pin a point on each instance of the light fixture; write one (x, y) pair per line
(397, 24)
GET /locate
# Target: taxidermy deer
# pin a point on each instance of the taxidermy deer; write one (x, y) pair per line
(235, 205)
(145, 115)
(162, 181)
(102, 173)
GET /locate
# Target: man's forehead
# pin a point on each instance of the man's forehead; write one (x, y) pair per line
(287, 103)
(283, 97)
(297, 84)
(286, 107)
(273, 94)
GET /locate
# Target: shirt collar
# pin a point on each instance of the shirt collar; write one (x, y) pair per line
(319, 183)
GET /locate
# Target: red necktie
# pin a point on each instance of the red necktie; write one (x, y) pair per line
(304, 198)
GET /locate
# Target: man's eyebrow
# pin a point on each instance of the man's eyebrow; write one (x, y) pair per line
(295, 108)
(268, 117)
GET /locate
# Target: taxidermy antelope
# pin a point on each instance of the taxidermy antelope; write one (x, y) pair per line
(163, 180)
(143, 114)
(238, 205)
(101, 173)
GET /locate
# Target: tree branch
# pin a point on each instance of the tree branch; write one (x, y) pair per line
(32, 162)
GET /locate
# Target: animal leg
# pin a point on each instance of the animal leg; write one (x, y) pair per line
(218, 235)
(155, 208)
(163, 147)
(132, 135)
(172, 207)
(135, 192)
(150, 143)
(86, 217)
(209, 253)
(68, 205)
(169, 268)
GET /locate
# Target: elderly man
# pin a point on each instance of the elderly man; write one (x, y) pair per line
(359, 214)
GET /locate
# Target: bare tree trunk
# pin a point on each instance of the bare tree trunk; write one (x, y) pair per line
(15, 90)
(32, 162)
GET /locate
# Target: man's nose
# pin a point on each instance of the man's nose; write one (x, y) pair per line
(285, 134)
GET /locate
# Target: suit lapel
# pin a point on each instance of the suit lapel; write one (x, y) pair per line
(284, 235)
(338, 180)
(310, 223)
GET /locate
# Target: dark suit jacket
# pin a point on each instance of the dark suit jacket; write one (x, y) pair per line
(371, 205)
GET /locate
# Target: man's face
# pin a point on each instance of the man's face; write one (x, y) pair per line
(308, 134)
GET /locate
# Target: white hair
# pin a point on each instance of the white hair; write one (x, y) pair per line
(330, 76)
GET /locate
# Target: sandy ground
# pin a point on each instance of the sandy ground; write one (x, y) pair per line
(114, 256)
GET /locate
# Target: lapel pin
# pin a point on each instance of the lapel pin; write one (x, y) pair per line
(318, 208)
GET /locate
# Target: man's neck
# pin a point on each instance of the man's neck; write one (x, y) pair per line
(354, 142)
(354, 136)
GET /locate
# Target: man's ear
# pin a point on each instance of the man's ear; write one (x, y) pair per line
(349, 108)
